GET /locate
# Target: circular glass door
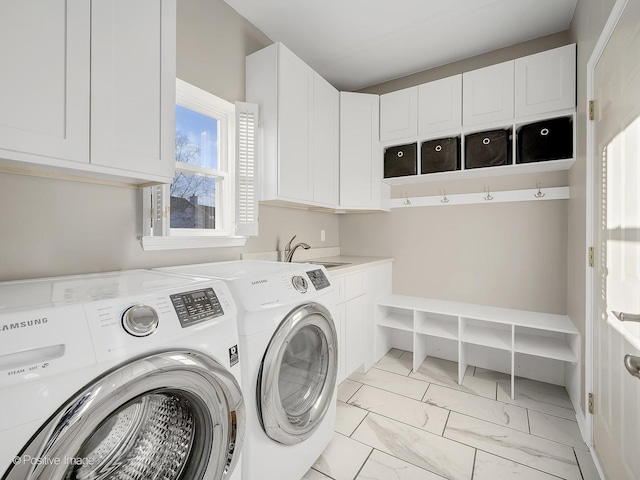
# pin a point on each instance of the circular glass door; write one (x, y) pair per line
(173, 416)
(298, 375)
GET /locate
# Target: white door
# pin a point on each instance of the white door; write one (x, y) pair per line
(616, 420)
(487, 94)
(132, 86)
(399, 114)
(295, 95)
(326, 137)
(44, 84)
(360, 152)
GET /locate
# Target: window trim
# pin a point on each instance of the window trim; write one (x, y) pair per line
(196, 99)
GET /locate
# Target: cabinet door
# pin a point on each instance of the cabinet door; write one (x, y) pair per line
(354, 335)
(546, 81)
(487, 94)
(399, 114)
(44, 84)
(360, 151)
(326, 147)
(133, 85)
(440, 105)
(295, 96)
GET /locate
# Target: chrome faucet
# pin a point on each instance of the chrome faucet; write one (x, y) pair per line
(289, 251)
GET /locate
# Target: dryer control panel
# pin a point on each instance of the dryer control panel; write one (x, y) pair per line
(319, 279)
(197, 306)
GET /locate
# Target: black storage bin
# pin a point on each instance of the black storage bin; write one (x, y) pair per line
(401, 160)
(547, 140)
(441, 155)
(487, 149)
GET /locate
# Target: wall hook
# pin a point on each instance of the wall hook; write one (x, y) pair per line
(488, 196)
(406, 200)
(444, 197)
(539, 194)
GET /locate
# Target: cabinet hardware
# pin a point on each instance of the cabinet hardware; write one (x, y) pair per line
(591, 403)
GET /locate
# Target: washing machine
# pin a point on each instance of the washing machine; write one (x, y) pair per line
(123, 375)
(288, 345)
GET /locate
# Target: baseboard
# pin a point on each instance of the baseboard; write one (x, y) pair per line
(597, 463)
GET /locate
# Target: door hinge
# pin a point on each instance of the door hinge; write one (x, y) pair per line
(591, 257)
(592, 108)
(591, 403)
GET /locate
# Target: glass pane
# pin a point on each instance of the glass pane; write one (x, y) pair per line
(303, 371)
(193, 201)
(151, 437)
(196, 138)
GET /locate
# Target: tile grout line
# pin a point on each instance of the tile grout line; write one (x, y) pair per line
(356, 391)
(518, 463)
(473, 467)
(575, 454)
(360, 423)
(364, 463)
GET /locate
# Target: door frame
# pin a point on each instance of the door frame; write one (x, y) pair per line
(605, 35)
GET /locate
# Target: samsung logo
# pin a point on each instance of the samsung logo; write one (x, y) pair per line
(258, 282)
(25, 324)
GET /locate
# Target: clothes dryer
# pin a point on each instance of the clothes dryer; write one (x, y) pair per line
(288, 345)
(122, 375)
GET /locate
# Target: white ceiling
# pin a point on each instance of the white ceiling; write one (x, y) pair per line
(358, 43)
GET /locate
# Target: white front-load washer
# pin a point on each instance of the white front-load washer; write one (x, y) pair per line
(128, 375)
(288, 345)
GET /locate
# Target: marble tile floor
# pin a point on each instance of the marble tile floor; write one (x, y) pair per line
(395, 424)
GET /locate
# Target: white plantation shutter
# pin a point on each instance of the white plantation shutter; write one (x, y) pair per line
(247, 194)
(160, 204)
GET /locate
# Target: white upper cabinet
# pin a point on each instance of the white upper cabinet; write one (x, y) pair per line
(440, 106)
(133, 85)
(360, 152)
(295, 108)
(399, 114)
(44, 85)
(299, 114)
(99, 73)
(545, 82)
(326, 142)
(487, 95)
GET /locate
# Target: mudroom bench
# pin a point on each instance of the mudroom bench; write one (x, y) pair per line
(464, 328)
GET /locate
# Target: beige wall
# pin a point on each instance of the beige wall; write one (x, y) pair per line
(491, 58)
(509, 255)
(588, 21)
(56, 227)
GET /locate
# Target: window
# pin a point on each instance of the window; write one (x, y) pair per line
(212, 197)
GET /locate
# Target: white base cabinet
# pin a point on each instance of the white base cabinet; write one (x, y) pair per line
(507, 334)
(357, 295)
(97, 97)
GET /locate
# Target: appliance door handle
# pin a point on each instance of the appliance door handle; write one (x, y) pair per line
(632, 363)
(626, 317)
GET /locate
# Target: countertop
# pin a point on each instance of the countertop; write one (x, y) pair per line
(353, 263)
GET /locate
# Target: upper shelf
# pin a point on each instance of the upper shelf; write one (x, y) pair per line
(550, 166)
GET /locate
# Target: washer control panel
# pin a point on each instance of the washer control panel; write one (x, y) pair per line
(197, 306)
(140, 320)
(319, 279)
